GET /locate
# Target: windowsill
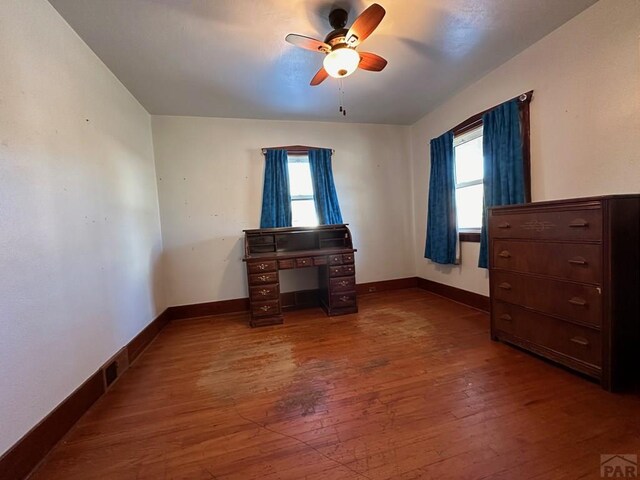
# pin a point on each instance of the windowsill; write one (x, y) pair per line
(470, 235)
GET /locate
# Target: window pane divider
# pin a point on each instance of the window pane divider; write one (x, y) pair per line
(469, 183)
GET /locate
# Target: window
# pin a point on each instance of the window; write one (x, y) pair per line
(469, 174)
(303, 206)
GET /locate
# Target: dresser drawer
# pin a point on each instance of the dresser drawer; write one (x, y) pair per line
(575, 341)
(575, 225)
(304, 262)
(264, 266)
(269, 307)
(341, 270)
(335, 260)
(343, 284)
(581, 303)
(263, 278)
(339, 300)
(265, 292)
(578, 262)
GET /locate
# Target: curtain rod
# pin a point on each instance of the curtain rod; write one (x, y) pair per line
(475, 120)
(294, 149)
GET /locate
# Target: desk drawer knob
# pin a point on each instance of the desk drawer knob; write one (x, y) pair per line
(504, 254)
(505, 286)
(263, 278)
(344, 283)
(345, 299)
(265, 308)
(264, 292)
(581, 302)
(580, 341)
(262, 266)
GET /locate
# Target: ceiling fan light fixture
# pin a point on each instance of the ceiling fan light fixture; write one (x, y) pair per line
(341, 62)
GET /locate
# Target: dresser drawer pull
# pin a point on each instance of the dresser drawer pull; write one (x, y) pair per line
(579, 223)
(581, 302)
(504, 254)
(578, 261)
(345, 299)
(505, 286)
(262, 266)
(264, 292)
(506, 317)
(504, 225)
(580, 341)
(344, 283)
(265, 308)
(263, 278)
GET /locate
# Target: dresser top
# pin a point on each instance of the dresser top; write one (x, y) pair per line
(567, 202)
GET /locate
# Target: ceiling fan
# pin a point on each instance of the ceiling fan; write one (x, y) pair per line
(339, 46)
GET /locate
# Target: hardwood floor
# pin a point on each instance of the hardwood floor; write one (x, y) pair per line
(411, 387)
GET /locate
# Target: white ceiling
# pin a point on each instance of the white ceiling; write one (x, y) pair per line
(228, 58)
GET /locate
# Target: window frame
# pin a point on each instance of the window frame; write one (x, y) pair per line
(475, 121)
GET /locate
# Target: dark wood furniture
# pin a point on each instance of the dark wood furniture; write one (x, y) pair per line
(269, 250)
(565, 282)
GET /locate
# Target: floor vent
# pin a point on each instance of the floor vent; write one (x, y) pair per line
(115, 367)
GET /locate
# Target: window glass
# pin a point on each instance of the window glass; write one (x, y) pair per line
(303, 207)
(469, 175)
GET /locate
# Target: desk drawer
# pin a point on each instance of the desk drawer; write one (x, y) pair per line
(346, 299)
(577, 262)
(269, 307)
(304, 262)
(342, 270)
(286, 264)
(263, 278)
(319, 260)
(575, 341)
(342, 284)
(347, 258)
(573, 301)
(265, 292)
(335, 259)
(578, 225)
(264, 266)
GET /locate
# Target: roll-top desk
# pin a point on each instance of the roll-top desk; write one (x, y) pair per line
(565, 283)
(269, 250)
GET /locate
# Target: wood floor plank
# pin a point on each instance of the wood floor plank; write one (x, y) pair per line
(411, 387)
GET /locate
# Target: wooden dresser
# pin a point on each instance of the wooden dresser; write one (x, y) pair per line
(565, 282)
(269, 250)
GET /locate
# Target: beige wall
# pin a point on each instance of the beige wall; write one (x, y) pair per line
(585, 119)
(79, 223)
(210, 174)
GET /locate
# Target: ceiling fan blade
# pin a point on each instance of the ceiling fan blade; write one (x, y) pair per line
(371, 62)
(319, 77)
(307, 43)
(365, 24)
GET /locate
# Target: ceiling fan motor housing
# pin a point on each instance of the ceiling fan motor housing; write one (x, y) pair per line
(338, 18)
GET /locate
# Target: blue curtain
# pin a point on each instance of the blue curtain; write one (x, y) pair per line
(503, 164)
(442, 228)
(324, 190)
(276, 197)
